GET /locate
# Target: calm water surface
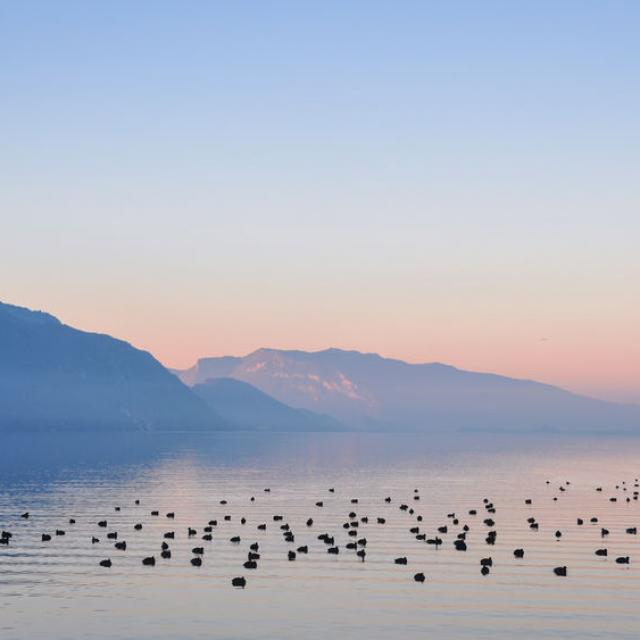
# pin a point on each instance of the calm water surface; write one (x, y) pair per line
(58, 590)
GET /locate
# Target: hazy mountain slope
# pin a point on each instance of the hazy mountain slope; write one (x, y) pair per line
(369, 391)
(242, 405)
(55, 377)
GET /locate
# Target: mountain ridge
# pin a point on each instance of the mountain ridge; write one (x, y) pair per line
(367, 390)
(56, 377)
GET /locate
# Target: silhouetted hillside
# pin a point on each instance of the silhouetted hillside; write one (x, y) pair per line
(55, 377)
(246, 407)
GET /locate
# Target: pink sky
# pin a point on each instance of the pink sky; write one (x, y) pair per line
(583, 348)
(433, 185)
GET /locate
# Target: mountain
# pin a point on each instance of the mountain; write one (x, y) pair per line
(246, 407)
(371, 392)
(54, 377)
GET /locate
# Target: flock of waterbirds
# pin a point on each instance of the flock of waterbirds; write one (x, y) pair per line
(452, 530)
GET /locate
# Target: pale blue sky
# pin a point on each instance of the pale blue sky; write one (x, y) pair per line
(432, 180)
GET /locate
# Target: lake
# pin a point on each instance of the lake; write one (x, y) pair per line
(57, 589)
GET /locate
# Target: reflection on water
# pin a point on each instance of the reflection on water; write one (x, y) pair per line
(57, 590)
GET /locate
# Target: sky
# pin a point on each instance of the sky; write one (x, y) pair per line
(433, 181)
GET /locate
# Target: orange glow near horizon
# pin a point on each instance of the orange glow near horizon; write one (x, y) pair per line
(595, 358)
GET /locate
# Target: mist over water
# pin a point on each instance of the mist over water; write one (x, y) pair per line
(57, 589)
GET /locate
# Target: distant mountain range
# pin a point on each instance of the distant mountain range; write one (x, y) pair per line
(366, 391)
(55, 377)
